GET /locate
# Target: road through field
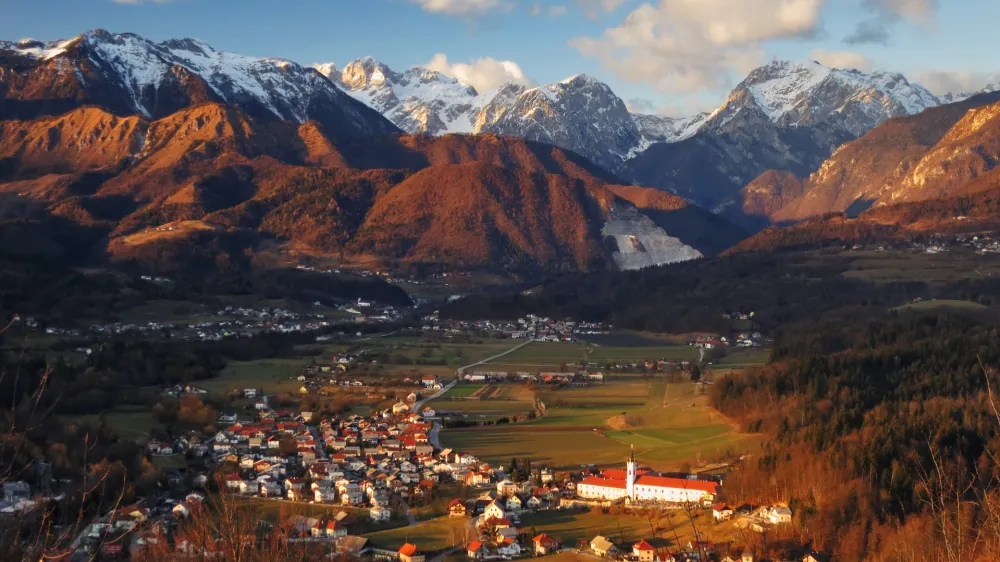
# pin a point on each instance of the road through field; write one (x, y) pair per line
(461, 370)
(435, 435)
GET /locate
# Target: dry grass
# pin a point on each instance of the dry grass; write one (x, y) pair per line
(169, 231)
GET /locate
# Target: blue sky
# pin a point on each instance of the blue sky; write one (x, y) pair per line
(673, 56)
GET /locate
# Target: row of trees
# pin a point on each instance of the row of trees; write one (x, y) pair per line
(880, 430)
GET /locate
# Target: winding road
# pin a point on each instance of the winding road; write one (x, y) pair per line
(435, 434)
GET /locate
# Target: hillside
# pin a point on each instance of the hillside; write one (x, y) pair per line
(944, 151)
(254, 184)
(973, 213)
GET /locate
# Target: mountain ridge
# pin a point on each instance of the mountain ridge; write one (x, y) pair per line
(234, 185)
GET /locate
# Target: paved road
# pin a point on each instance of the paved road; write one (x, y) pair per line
(443, 555)
(435, 434)
(461, 370)
(385, 335)
(405, 508)
(419, 403)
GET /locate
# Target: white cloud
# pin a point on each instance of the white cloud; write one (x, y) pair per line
(640, 105)
(538, 9)
(885, 14)
(943, 82)
(483, 74)
(462, 7)
(595, 8)
(697, 45)
(920, 12)
(841, 59)
(557, 11)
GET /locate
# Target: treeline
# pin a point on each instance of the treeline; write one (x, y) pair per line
(779, 288)
(872, 422)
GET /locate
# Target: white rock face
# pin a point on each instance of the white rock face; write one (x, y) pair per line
(640, 243)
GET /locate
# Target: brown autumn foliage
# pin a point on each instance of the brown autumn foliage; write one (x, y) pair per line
(944, 151)
(481, 201)
(962, 214)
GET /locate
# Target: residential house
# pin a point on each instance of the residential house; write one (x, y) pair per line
(494, 510)
(544, 544)
(643, 551)
(602, 547)
(334, 529)
(235, 483)
(456, 508)
(722, 512)
(409, 553)
(379, 514)
(509, 547)
(514, 503)
(475, 550)
(780, 515)
(534, 502)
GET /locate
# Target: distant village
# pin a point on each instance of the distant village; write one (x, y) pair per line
(372, 469)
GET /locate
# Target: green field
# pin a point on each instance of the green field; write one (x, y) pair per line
(666, 352)
(895, 266)
(462, 391)
(272, 375)
(669, 424)
(438, 352)
(545, 356)
(128, 424)
(436, 534)
(497, 400)
(741, 358)
(943, 303)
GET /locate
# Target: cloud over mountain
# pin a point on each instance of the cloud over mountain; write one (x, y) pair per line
(697, 45)
(841, 59)
(483, 74)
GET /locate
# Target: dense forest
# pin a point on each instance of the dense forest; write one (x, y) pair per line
(880, 431)
(778, 288)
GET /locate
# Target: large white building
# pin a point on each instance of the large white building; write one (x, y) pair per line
(641, 485)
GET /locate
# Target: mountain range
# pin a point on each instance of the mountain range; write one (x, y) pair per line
(784, 116)
(147, 146)
(174, 155)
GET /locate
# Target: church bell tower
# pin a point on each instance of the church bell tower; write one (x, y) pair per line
(630, 468)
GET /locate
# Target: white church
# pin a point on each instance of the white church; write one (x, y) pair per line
(642, 485)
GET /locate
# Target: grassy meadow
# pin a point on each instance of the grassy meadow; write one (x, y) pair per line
(668, 423)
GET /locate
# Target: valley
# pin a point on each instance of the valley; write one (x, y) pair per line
(253, 309)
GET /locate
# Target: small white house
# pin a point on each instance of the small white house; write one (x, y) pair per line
(379, 513)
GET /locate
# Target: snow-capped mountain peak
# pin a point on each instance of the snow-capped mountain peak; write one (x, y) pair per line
(131, 74)
(418, 100)
(794, 94)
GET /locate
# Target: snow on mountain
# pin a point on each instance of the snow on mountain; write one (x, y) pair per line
(417, 100)
(784, 116)
(580, 113)
(951, 97)
(153, 78)
(40, 50)
(797, 94)
(659, 128)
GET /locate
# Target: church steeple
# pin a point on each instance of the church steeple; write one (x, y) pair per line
(630, 474)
